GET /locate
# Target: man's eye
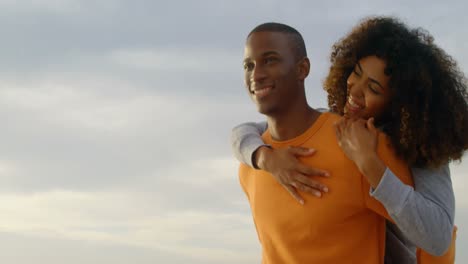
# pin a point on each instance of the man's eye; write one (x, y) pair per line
(270, 60)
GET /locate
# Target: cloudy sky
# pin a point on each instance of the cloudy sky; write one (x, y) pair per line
(116, 118)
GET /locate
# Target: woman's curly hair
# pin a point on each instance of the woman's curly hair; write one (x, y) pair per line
(427, 119)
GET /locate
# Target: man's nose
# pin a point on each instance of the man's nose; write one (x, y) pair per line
(258, 73)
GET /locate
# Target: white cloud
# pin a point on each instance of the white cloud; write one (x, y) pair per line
(116, 117)
(128, 219)
(94, 108)
(180, 60)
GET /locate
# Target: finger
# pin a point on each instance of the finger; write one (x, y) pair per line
(315, 189)
(343, 120)
(347, 125)
(353, 124)
(371, 126)
(309, 171)
(338, 134)
(344, 124)
(340, 121)
(310, 184)
(339, 125)
(292, 190)
(357, 124)
(301, 151)
(344, 127)
(361, 121)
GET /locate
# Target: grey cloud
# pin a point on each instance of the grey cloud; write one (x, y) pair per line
(105, 129)
(33, 249)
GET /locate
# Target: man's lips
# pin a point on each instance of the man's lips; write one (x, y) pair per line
(261, 92)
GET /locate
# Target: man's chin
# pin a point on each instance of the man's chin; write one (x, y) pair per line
(265, 110)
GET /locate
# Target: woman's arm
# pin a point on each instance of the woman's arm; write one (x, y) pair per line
(425, 214)
(246, 139)
(248, 147)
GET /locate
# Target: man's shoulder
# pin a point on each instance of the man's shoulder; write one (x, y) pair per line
(331, 117)
(327, 122)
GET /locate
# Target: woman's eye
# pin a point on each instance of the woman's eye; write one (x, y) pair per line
(248, 66)
(356, 71)
(373, 90)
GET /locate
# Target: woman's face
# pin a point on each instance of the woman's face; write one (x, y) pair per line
(368, 91)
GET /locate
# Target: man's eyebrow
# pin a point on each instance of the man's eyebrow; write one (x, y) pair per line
(267, 53)
(264, 54)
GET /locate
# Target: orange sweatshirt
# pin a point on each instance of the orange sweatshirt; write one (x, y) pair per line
(346, 225)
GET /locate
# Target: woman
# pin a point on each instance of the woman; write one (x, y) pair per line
(398, 77)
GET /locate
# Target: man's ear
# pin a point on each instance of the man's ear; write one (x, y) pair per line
(303, 68)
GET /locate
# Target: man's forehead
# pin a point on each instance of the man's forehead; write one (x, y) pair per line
(268, 36)
(267, 41)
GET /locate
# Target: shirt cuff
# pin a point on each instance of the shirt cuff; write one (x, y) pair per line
(248, 148)
(391, 192)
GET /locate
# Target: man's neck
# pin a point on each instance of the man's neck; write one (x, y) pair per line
(292, 123)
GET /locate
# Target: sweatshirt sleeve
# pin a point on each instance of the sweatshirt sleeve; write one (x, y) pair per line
(246, 139)
(424, 214)
(388, 156)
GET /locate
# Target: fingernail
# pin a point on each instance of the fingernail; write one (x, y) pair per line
(325, 189)
(327, 174)
(301, 202)
(318, 194)
(311, 150)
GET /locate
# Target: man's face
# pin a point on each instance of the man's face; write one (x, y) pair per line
(270, 71)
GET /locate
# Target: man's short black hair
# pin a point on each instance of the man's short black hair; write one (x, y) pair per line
(295, 37)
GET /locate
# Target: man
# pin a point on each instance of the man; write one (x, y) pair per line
(346, 225)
